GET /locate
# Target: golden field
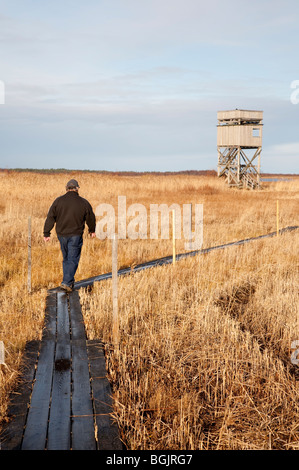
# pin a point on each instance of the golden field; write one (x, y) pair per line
(204, 355)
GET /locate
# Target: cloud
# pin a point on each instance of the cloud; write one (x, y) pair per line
(284, 156)
(130, 82)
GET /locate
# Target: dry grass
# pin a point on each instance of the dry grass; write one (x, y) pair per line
(204, 355)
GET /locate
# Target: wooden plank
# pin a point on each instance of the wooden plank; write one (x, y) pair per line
(49, 330)
(63, 322)
(107, 430)
(83, 431)
(37, 421)
(59, 432)
(76, 317)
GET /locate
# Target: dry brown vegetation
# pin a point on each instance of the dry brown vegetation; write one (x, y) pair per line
(204, 353)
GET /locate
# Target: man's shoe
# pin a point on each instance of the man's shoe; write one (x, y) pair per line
(66, 287)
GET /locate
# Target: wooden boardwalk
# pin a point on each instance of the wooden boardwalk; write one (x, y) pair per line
(64, 402)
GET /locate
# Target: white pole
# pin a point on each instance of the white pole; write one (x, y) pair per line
(277, 217)
(190, 242)
(29, 255)
(115, 326)
(2, 360)
(173, 237)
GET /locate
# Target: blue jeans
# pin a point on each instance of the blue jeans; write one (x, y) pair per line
(71, 252)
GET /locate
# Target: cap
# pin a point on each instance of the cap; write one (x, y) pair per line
(72, 184)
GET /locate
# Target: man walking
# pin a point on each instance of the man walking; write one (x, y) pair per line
(70, 212)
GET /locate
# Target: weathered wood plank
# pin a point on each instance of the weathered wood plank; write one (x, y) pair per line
(76, 317)
(37, 420)
(49, 329)
(59, 432)
(63, 321)
(83, 432)
(107, 431)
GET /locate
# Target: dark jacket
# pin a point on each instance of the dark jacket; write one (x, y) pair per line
(70, 212)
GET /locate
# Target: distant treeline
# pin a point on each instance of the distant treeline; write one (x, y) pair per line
(51, 171)
(124, 173)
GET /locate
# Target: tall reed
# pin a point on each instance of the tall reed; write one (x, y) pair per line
(205, 345)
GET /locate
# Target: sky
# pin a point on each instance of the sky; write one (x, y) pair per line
(135, 85)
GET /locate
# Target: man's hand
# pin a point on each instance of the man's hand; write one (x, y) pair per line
(92, 235)
(46, 239)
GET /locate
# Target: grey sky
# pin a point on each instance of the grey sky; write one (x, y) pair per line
(136, 85)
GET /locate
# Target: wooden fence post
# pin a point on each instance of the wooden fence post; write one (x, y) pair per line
(173, 237)
(2, 358)
(29, 255)
(115, 322)
(277, 217)
(190, 235)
